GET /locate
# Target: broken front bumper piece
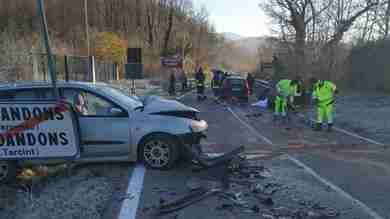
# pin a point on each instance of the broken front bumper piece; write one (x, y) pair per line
(205, 161)
(193, 150)
(185, 201)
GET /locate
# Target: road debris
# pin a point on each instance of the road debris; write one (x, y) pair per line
(251, 189)
(184, 201)
(126, 196)
(265, 200)
(255, 115)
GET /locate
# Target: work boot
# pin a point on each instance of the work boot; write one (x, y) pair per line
(330, 127)
(287, 122)
(318, 127)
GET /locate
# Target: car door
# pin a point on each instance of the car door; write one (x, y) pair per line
(104, 126)
(24, 94)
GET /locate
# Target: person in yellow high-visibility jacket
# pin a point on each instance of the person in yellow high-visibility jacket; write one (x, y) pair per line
(286, 90)
(323, 95)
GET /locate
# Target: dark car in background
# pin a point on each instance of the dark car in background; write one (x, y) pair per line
(236, 87)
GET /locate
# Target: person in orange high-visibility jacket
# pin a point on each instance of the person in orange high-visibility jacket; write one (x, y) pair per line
(323, 95)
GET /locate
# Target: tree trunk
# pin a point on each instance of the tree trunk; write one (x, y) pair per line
(150, 21)
(169, 30)
(300, 43)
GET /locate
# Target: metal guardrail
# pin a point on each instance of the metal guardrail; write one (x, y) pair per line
(263, 83)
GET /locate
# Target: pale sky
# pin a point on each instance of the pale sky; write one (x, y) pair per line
(243, 17)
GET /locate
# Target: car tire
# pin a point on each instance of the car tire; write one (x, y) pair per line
(159, 151)
(7, 172)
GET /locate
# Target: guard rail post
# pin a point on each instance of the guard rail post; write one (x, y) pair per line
(66, 68)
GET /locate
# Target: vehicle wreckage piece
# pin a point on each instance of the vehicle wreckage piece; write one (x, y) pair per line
(185, 201)
(200, 192)
(205, 161)
(194, 151)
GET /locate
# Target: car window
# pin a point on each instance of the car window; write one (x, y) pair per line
(89, 104)
(46, 93)
(25, 94)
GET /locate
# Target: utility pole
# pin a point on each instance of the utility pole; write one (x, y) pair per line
(387, 19)
(183, 55)
(86, 25)
(45, 33)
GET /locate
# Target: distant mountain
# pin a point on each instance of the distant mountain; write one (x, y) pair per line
(249, 44)
(240, 54)
(231, 36)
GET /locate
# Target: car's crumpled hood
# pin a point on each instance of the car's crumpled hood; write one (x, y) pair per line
(155, 104)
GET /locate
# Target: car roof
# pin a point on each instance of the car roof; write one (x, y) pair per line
(45, 84)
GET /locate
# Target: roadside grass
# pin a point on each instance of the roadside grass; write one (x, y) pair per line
(31, 174)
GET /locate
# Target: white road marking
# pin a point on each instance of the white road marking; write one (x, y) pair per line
(133, 194)
(182, 96)
(351, 133)
(335, 188)
(254, 131)
(343, 130)
(358, 136)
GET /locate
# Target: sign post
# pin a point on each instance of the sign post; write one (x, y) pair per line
(134, 68)
(52, 70)
(172, 62)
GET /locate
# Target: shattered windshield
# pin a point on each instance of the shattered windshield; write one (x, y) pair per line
(123, 97)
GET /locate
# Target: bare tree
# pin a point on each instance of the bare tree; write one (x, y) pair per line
(315, 26)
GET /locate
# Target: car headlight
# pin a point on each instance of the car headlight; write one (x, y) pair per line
(199, 126)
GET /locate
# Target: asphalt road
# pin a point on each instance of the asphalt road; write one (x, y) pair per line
(335, 168)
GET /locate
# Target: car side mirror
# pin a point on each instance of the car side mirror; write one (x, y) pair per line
(117, 112)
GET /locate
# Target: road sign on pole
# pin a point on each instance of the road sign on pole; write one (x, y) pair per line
(52, 71)
(172, 61)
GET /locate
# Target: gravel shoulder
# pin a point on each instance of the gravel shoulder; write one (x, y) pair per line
(366, 114)
(89, 192)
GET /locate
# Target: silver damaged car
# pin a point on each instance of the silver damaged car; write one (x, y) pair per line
(118, 127)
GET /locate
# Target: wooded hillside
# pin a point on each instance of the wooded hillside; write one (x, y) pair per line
(160, 27)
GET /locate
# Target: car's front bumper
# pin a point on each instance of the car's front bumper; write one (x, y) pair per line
(198, 126)
(192, 138)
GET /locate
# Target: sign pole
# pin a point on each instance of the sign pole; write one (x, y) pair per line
(133, 87)
(52, 71)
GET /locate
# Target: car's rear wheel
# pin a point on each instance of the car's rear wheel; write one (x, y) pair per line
(159, 151)
(7, 171)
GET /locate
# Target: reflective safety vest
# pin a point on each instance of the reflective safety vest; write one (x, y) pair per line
(324, 93)
(285, 88)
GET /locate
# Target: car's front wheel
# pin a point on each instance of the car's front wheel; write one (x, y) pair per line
(159, 151)
(7, 171)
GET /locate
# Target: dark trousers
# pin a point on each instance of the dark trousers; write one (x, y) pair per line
(200, 89)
